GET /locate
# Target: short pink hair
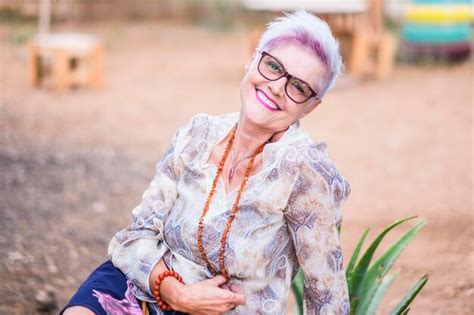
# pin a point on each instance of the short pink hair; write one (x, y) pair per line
(309, 31)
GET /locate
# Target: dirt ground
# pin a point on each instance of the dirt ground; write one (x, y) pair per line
(74, 164)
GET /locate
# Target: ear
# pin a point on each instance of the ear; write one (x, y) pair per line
(312, 106)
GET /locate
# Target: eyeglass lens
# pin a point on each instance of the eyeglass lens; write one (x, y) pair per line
(295, 88)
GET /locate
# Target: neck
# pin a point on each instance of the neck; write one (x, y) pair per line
(249, 137)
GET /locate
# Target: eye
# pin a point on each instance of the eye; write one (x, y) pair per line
(274, 66)
(298, 86)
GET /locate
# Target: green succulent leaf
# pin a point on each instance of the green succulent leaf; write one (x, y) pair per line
(402, 306)
(379, 293)
(367, 286)
(298, 291)
(355, 255)
(358, 274)
(377, 271)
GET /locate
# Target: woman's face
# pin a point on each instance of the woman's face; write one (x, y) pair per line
(265, 103)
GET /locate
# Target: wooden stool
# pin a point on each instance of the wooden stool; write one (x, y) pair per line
(372, 55)
(69, 59)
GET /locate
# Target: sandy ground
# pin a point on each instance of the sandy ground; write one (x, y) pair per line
(74, 164)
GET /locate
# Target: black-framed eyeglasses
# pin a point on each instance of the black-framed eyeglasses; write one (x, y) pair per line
(272, 69)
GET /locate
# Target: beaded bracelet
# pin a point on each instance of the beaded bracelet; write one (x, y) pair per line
(157, 284)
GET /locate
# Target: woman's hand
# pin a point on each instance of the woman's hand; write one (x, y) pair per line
(211, 296)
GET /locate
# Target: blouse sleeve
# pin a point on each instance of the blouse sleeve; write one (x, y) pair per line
(136, 249)
(313, 216)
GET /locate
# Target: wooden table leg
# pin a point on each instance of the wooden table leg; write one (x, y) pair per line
(34, 65)
(359, 54)
(60, 70)
(96, 79)
(385, 55)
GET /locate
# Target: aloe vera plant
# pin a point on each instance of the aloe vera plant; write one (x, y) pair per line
(367, 284)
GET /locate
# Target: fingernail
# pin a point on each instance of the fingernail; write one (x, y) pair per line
(234, 288)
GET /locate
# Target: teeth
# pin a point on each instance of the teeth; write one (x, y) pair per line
(267, 101)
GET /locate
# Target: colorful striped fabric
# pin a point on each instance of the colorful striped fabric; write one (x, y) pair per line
(437, 28)
(436, 33)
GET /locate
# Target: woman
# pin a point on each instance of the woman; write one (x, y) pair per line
(240, 201)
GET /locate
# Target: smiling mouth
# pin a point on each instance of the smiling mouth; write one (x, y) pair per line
(266, 101)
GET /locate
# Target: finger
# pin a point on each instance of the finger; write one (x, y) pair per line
(218, 280)
(234, 288)
(238, 299)
(225, 286)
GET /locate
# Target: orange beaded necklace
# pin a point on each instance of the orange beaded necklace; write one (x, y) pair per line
(229, 144)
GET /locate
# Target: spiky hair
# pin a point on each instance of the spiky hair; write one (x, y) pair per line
(309, 31)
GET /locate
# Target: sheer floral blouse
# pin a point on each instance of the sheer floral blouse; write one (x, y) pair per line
(287, 219)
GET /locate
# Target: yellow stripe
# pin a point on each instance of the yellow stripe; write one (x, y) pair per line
(438, 13)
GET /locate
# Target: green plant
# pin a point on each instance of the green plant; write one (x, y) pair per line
(367, 285)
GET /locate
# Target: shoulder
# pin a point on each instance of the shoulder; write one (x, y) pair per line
(193, 138)
(196, 128)
(318, 160)
(201, 124)
(198, 122)
(315, 165)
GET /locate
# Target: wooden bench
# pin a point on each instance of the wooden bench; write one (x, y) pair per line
(67, 59)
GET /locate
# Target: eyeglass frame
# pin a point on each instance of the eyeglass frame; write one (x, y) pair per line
(285, 74)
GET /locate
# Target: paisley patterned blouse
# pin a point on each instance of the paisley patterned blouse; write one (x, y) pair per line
(287, 219)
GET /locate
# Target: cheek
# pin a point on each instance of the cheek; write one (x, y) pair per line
(251, 80)
(246, 91)
(246, 81)
(248, 84)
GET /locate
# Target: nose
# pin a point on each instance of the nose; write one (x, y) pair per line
(277, 87)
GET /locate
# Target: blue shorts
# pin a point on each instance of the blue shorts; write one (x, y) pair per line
(107, 291)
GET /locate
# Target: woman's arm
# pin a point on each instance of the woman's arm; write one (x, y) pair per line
(137, 249)
(313, 216)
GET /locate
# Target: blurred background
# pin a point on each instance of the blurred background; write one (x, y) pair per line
(92, 91)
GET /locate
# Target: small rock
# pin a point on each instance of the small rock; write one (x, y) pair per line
(73, 254)
(51, 265)
(46, 300)
(99, 207)
(461, 284)
(58, 282)
(469, 292)
(450, 291)
(16, 256)
(84, 251)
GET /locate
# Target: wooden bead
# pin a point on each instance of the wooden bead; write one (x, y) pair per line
(157, 284)
(227, 149)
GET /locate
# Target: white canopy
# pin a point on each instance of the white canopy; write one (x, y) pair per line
(315, 6)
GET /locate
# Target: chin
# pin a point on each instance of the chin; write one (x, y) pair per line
(255, 112)
(258, 116)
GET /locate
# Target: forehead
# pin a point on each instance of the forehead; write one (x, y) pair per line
(302, 63)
